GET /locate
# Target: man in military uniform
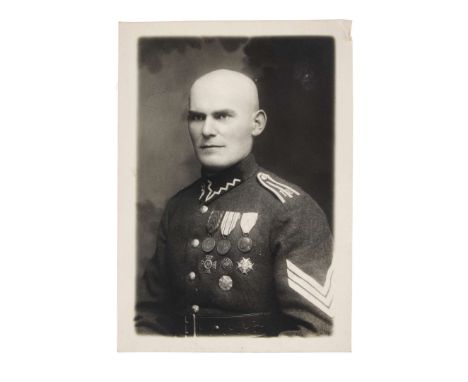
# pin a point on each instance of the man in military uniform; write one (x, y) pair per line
(240, 251)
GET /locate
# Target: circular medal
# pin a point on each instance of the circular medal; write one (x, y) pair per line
(226, 264)
(244, 244)
(223, 246)
(208, 244)
(225, 282)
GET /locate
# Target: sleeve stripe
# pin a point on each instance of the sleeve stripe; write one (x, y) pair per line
(310, 298)
(326, 300)
(304, 276)
(315, 287)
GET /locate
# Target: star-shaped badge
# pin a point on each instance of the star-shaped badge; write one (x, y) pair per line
(245, 265)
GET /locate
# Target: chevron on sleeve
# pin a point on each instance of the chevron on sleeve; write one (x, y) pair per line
(302, 283)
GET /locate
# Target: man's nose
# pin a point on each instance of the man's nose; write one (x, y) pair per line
(209, 128)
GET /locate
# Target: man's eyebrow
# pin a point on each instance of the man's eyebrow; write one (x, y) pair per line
(225, 111)
(196, 113)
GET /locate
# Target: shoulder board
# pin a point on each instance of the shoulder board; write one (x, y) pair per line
(280, 190)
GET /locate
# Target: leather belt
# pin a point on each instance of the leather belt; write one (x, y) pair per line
(247, 324)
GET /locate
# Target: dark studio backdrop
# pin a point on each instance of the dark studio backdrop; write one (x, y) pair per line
(295, 79)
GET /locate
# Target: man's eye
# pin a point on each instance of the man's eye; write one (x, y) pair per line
(222, 116)
(196, 117)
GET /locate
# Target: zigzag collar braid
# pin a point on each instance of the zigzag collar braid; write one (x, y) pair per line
(213, 186)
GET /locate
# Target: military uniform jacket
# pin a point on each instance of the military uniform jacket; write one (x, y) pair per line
(242, 242)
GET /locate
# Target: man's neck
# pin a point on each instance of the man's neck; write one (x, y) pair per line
(210, 172)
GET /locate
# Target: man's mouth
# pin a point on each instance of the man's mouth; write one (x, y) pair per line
(210, 146)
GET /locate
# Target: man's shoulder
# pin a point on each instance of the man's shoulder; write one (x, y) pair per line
(282, 191)
(292, 201)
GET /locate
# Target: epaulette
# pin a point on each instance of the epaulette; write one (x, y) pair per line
(280, 190)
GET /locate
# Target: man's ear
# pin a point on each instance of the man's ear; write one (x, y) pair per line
(259, 122)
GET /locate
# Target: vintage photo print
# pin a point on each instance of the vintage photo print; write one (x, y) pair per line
(235, 180)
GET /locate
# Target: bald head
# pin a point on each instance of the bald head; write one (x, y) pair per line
(224, 118)
(229, 85)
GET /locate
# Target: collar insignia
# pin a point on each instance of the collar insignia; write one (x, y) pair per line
(207, 194)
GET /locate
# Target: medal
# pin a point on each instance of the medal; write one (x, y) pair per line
(226, 264)
(245, 265)
(213, 221)
(229, 222)
(225, 283)
(227, 225)
(223, 246)
(247, 222)
(208, 244)
(208, 263)
(211, 226)
(244, 244)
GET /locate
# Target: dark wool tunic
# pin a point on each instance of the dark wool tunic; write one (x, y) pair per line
(244, 242)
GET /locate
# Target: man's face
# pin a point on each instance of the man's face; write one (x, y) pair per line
(220, 123)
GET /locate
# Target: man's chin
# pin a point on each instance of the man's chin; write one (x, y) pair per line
(214, 163)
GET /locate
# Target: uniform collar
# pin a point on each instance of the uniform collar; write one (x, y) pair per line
(213, 186)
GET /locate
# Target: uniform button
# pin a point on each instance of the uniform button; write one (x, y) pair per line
(195, 308)
(216, 327)
(195, 243)
(192, 275)
(203, 209)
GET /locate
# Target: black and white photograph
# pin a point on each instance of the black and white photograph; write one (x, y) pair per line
(233, 190)
(240, 232)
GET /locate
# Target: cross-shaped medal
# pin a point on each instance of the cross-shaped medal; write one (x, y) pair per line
(208, 263)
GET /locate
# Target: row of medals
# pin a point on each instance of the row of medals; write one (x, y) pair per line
(228, 220)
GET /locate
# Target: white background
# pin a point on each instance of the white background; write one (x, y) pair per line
(58, 150)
